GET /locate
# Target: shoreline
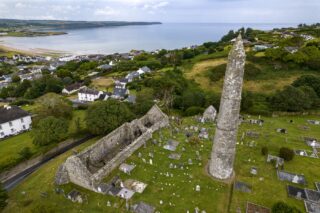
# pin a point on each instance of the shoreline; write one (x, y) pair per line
(33, 52)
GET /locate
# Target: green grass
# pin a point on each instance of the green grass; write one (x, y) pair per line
(10, 147)
(214, 196)
(270, 189)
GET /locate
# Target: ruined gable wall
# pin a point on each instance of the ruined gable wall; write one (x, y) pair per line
(78, 172)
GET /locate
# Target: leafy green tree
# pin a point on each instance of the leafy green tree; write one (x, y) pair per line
(308, 80)
(276, 53)
(25, 153)
(16, 79)
(103, 117)
(281, 207)
(144, 102)
(286, 153)
(22, 88)
(3, 197)
(52, 104)
(50, 130)
(193, 98)
(290, 99)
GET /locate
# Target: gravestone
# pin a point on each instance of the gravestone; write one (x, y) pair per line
(243, 187)
(209, 114)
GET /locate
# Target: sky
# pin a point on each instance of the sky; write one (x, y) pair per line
(191, 11)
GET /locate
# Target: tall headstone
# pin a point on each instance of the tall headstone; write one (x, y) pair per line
(224, 147)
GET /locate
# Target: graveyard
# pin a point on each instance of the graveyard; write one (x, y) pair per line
(169, 173)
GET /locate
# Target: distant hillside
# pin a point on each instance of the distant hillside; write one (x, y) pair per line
(61, 25)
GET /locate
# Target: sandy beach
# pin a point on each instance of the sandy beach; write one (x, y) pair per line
(36, 51)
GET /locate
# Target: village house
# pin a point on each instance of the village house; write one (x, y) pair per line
(105, 67)
(72, 88)
(13, 120)
(307, 37)
(133, 75)
(144, 70)
(120, 92)
(89, 95)
(261, 47)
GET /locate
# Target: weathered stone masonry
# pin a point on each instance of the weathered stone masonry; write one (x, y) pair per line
(88, 168)
(224, 147)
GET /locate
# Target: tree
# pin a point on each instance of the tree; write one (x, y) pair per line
(281, 207)
(3, 197)
(49, 130)
(103, 117)
(286, 153)
(308, 80)
(144, 102)
(52, 104)
(290, 99)
(22, 88)
(16, 79)
(25, 153)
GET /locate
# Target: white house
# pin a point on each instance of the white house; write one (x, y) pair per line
(13, 120)
(90, 95)
(144, 70)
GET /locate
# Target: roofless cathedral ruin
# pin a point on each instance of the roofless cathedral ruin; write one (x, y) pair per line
(224, 147)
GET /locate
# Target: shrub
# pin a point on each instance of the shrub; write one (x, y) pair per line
(3, 197)
(191, 111)
(25, 153)
(264, 150)
(281, 207)
(286, 153)
(194, 140)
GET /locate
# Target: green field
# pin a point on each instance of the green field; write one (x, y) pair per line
(177, 192)
(10, 147)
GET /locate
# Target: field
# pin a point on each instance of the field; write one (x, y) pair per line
(102, 83)
(10, 147)
(267, 82)
(177, 191)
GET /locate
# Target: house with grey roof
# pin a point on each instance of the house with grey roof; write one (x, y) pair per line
(13, 120)
(88, 95)
(144, 70)
(120, 93)
(72, 88)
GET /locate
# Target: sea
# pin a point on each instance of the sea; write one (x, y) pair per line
(123, 39)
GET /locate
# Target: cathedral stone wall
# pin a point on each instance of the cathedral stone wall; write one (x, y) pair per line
(89, 167)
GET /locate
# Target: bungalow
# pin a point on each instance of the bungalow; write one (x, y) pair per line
(70, 89)
(87, 94)
(13, 120)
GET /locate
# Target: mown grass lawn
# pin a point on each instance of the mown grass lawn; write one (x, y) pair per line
(178, 191)
(10, 147)
(267, 189)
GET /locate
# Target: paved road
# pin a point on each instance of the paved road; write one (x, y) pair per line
(14, 181)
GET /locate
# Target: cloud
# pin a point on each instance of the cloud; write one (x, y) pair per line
(20, 5)
(244, 11)
(106, 11)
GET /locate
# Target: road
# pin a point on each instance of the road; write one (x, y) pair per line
(14, 181)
